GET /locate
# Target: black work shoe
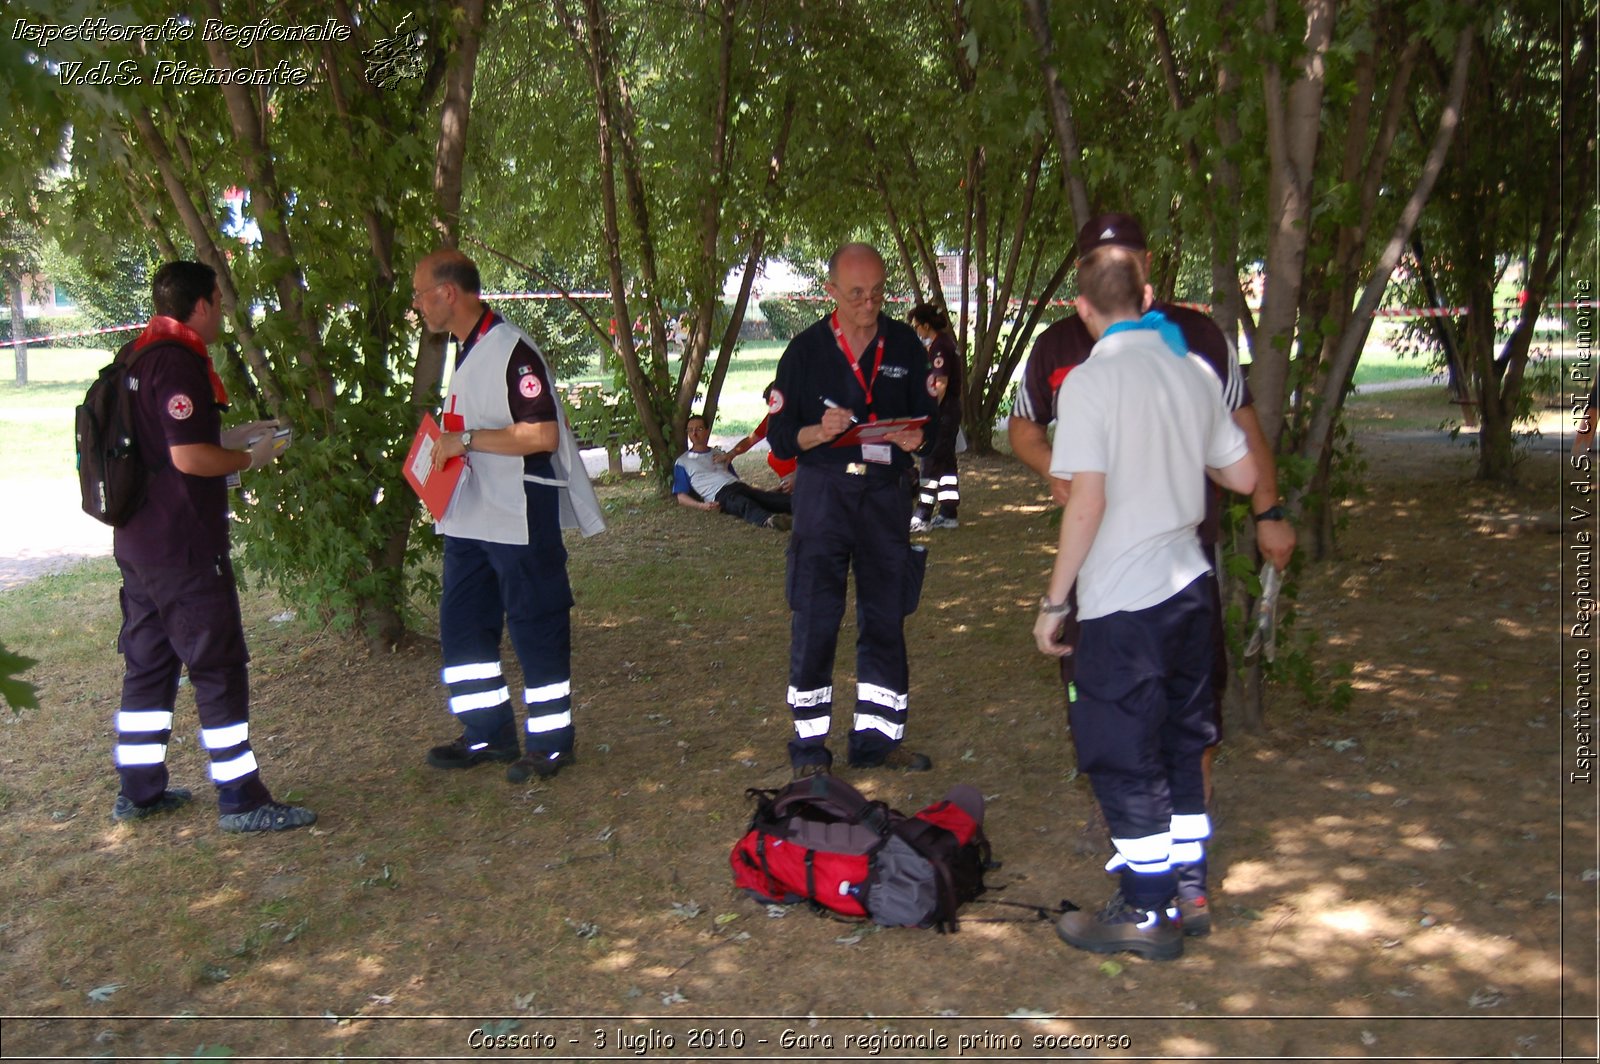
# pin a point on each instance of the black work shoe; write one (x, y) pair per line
(899, 759)
(1194, 915)
(123, 809)
(1120, 928)
(458, 753)
(273, 816)
(543, 765)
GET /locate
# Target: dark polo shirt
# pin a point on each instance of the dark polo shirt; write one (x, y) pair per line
(184, 519)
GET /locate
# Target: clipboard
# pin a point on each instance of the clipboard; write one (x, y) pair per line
(434, 487)
(876, 431)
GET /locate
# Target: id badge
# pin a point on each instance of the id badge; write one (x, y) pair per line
(877, 452)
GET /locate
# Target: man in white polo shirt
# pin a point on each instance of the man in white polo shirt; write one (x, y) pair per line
(1136, 426)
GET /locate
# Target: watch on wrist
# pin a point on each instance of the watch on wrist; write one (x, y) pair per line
(1271, 513)
(466, 440)
(1054, 608)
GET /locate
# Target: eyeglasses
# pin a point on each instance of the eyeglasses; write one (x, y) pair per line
(857, 295)
(419, 293)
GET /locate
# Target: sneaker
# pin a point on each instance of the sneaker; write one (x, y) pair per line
(1120, 928)
(782, 522)
(900, 759)
(273, 816)
(123, 809)
(458, 753)
(542, 764)
(941, 521)
(918, 525)
(1194, 915)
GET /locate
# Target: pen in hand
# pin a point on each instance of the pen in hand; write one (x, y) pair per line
(831, 405)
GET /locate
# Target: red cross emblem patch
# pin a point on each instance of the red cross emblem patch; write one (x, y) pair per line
(530, 387)
(775, 402)
(179, 407)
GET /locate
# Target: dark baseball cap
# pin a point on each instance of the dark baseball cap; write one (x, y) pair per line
(1121, 230)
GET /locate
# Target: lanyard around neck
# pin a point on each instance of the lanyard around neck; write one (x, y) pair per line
(855, 366)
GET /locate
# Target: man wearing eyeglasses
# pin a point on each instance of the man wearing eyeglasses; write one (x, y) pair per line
(504, 560)
(852, 505)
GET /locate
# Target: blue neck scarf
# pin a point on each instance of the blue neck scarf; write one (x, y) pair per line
(1170, 334)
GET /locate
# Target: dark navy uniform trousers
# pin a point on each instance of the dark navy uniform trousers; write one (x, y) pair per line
(844, 520)
(1141, 722)
(489, 587)
(175, 616)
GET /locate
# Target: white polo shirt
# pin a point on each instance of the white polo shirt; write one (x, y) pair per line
(1151, 421)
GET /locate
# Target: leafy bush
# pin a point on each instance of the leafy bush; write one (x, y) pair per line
(789, 316)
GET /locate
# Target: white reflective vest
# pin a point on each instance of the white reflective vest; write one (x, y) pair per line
(489, 503)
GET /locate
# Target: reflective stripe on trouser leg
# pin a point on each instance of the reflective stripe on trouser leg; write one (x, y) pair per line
(949, 494)
(190, 613)
(229, 749)
(814, 586)
(534, 587)
(880, 563)
(470, 622)
(142, 736)
(1146, 870)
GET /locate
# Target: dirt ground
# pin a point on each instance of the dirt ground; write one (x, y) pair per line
(1405, 876)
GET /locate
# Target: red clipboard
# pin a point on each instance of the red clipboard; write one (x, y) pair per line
(875, 431)
(433, 487)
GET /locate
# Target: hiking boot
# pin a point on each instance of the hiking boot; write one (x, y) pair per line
(458, 753)
(543, 764)
(941, 521)
(123, 809)
(899, 759)
(781, 522)
(1120, 928)
(919, 524)
(1194, 915)
(273, 816)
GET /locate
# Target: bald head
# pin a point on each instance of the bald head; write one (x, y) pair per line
(852, 254)
(445, 288)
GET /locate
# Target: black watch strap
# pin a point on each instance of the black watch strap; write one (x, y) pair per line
(1271, 513)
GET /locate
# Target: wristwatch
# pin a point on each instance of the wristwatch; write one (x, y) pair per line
(1271, 513)
(1054, 608)
(466, 440)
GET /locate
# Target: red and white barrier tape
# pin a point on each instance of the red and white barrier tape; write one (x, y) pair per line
(39, 340)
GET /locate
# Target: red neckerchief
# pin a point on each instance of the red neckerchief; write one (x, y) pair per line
(855, 367)
(163, 329)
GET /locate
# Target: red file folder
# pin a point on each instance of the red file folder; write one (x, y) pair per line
(434, 487)
(876, 431)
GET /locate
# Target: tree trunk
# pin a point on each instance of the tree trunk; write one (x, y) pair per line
(19, 327)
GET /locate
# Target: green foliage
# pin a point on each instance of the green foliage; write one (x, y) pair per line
(789, 316)
(16, 693)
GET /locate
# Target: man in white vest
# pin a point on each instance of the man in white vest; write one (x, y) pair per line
(504, 560)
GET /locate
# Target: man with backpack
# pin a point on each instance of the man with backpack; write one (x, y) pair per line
(180, 603)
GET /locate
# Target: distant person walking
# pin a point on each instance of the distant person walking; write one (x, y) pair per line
(941, 482)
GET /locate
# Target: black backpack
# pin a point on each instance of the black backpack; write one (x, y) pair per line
(112, 475)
